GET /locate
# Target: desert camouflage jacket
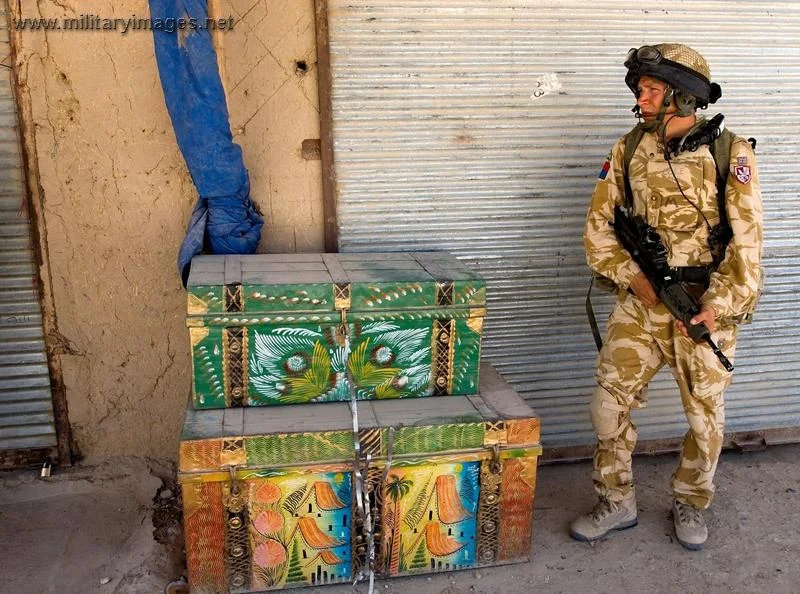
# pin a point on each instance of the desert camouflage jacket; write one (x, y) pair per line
(735, 284)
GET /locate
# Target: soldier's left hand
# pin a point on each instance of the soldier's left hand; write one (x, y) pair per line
(707, 316)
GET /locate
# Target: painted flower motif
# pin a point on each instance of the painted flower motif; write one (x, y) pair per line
(268, 493)
(268, 522)
(269, 554)
(400, 382)
(383, 355)
(296, 363)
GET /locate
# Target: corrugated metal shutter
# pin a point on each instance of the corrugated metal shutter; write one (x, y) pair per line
(439, 144)
(26, 407)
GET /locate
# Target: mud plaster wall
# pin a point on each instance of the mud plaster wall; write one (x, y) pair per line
(114, 197)
(271, 80)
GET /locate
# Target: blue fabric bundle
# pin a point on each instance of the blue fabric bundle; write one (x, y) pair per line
(224, 220)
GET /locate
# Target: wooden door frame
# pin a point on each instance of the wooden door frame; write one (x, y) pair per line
(325, 88)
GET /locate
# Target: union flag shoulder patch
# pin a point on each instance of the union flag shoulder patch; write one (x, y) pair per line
(604, 170)
(742, 173)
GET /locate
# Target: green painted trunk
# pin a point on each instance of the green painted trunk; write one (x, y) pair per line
(295, 328)
(270, 495)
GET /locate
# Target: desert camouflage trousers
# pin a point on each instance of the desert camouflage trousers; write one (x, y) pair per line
(639, 342)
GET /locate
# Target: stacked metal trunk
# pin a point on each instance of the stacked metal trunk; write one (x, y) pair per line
(307, 457)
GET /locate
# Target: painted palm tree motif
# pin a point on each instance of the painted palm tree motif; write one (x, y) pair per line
(439, 521)
(397, 488)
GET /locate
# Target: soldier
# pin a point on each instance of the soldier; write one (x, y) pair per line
(676, 191)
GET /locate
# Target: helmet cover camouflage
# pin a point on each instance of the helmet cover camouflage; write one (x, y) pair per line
(677, 65)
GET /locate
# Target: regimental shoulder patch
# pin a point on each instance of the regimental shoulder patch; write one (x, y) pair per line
(604, 170)
(742, 173)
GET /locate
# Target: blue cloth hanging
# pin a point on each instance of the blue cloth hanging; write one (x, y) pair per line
(224, 220)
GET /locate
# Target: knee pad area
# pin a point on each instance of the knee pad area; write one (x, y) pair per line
(609, 416)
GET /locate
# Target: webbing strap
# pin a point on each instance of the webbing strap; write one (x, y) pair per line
(614, 406)
(721, 151)
(598, 340)
(632, 140)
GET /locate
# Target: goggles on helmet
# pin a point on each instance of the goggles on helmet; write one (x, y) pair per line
(647, 54)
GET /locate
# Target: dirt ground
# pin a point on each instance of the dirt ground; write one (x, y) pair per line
(114, 528)
(90, 529)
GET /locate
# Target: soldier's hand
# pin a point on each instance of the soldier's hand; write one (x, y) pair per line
(707, 316)
(644, 290)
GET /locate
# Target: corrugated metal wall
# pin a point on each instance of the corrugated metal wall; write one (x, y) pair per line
(479, 127)
(26, 408)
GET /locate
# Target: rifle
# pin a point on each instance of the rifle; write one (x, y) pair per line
(644, 245)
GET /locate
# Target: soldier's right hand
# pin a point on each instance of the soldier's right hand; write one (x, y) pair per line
(643, 289)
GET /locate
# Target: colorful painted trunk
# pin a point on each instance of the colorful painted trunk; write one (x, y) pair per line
(270, 494)
(277, 329)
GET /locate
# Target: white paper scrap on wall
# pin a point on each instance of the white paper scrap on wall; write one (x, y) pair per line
(545, 85)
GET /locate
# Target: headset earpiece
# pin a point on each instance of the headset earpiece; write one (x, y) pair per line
(685, 104)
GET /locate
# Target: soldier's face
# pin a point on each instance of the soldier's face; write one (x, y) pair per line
(651, 97)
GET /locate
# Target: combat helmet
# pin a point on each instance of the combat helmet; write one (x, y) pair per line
(678, 65)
